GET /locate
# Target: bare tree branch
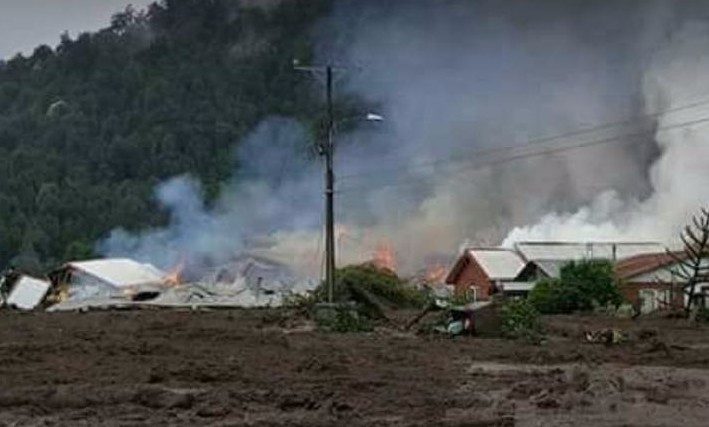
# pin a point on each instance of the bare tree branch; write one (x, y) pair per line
(689, 266)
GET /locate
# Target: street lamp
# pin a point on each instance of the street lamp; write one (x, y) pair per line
(327, 149)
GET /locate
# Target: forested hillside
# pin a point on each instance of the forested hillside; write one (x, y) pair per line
(89, 128)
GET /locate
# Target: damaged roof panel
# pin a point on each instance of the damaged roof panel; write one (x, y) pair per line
(28, 293)
(120, 272)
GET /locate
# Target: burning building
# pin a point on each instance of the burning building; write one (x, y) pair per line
(103, 279)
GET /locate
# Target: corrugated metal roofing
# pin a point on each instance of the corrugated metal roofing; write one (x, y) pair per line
(552, 267)
(120, 272)
(27, 293)
(534, 251)
(499, 264)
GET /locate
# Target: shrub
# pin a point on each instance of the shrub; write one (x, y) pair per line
(543, 297)
(520, 320)
(369, 291)
(343, 320)
(594, 283)
(383, 284)
(463, 299)
(582, 286)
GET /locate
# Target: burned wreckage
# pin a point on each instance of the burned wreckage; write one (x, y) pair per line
(120, 283)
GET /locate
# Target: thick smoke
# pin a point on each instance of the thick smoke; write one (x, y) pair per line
(273, 192)
(675, 78)
(453, 79)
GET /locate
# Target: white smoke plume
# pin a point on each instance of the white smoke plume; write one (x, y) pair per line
(674, 78)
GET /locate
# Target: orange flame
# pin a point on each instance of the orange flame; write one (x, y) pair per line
(436, 273)
(174, 277)
(384, 257)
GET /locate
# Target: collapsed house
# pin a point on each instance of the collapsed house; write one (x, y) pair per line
(103, 282)
(25, 292)
(247, 281)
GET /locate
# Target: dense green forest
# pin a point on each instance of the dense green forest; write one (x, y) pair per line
(87, 129)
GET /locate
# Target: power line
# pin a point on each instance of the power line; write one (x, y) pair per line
(537, 141)
(477, 163)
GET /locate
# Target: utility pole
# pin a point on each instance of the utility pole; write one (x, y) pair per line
(327, 150)
(329, 194)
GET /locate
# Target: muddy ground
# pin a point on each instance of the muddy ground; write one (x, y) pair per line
(259, 368)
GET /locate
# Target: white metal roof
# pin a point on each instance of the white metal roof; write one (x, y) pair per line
(552, 267)
(499, 264)
(27, 293)
(120, 272)
(569, 251)
(518, 286)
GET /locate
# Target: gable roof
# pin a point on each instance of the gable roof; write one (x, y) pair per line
(644, 263)
(551, 268)
(120, 272)
(498, 263)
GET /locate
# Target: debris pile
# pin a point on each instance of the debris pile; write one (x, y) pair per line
(124, 283)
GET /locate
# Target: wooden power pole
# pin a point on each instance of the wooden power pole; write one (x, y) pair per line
(326, 149)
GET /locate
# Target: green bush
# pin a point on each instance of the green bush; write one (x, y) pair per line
(520, 320)
(383, 284)
(363, 293)
(582, 286)
(463, 299)
(343, 320)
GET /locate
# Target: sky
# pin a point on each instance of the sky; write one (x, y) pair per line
(25, 24)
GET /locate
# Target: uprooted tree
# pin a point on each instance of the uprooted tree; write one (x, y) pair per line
(689, 264)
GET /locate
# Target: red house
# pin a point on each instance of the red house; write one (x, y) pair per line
(479, 272)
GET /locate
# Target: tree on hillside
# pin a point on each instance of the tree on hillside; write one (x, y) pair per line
(690, 265)
(88, 129)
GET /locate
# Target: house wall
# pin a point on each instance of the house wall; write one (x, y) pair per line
(473, 275)
(631, 292)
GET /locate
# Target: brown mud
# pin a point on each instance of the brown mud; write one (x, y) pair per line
(267, 368)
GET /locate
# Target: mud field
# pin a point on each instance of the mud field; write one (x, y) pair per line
(263, 368)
